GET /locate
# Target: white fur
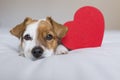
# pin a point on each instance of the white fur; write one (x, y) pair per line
(30, 44)
(61, 50)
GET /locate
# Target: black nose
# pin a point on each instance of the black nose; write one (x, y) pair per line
(37, 52)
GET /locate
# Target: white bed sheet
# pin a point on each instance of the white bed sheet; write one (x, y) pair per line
(100, 63)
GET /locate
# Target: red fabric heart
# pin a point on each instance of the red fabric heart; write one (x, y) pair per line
(86, 30)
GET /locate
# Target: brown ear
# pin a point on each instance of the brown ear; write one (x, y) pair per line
(59, 29)
(20, 28)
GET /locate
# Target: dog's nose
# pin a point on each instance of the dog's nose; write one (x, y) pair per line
(37, 52)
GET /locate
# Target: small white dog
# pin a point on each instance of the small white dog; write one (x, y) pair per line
(40, 38)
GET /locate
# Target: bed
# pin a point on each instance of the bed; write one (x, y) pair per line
(99, 63)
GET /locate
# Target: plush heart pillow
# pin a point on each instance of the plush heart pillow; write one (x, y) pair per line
(86, 30)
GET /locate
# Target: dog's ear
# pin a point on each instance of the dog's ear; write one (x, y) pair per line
(59, 29)
(19, 29)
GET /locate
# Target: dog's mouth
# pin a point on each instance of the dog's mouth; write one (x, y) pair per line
(34, 59)
(37, 53)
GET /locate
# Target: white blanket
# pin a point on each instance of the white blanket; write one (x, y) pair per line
(100, 63)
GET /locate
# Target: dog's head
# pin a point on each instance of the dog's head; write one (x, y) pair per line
(39, 38)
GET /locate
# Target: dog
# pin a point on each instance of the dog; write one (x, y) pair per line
(40, 38)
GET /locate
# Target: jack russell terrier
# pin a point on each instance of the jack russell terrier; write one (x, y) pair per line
(40, 38)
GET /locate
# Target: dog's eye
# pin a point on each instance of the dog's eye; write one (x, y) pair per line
(49, 37)
(27, 37)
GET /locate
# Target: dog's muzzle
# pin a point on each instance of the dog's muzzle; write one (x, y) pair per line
(37, 52)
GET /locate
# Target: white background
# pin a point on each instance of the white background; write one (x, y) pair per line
(13, 12)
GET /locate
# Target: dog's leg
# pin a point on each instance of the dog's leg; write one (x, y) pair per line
(21, 53)
(61, 50)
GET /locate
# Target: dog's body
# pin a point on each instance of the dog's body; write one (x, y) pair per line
(40, 38)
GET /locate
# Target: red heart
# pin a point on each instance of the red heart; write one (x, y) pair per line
(86, 30)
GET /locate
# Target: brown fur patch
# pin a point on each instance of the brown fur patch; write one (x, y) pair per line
(59, 29)
(19, 29)
(43, 30)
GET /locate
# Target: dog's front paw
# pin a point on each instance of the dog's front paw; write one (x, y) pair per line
(21, 53)
(61, 50)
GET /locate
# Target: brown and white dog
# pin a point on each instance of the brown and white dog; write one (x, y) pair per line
(40, 38)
